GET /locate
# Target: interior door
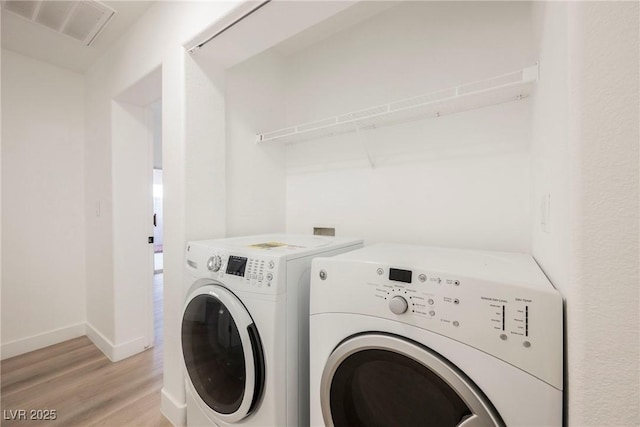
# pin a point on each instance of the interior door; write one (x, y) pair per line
(378, 380)
(222, 352)
(132, 221)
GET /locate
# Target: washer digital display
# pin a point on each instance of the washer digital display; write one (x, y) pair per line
(398, 275)
(236, 265)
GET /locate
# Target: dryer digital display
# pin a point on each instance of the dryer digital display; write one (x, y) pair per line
(236, 265)
(398, 275)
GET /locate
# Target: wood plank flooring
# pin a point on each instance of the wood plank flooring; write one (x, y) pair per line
(83, 386)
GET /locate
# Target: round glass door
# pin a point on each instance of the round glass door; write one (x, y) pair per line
(381, 380)
(222, 352)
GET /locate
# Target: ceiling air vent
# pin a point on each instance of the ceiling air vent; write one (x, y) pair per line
(82, 20)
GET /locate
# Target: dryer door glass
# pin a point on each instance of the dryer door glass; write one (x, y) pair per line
(216, 350)
(376, 383)
(382, 388)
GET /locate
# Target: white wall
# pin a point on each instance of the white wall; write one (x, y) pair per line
(156, 108)
(204, 153)
(550, 146)
(551, 166)
(43, 268)
(461, 180)
(601, 285)
(255, 97)
(604, 135)
(412, 48)
(586, 155)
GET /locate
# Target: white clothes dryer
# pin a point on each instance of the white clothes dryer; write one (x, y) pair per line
(405, 335)
(245, 330)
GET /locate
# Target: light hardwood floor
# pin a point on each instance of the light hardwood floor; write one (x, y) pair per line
(83, 386)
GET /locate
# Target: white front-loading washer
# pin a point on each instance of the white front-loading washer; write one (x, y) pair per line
(405, 335)
(245, 336)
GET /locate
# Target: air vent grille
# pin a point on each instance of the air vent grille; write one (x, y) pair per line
(52, 14)
(82, 20)
(23, 8)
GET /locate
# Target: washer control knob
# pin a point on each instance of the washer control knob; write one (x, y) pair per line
(398, 305)
(269, 276)
(214, 263)
(272, 264)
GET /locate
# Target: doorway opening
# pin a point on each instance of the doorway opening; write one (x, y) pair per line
(138, 199)
(158, 247)
(158, 189)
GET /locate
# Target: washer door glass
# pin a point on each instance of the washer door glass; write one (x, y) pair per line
(222, 352)
(381, 380)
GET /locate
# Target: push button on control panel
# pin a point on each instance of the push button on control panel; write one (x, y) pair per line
(254, 275)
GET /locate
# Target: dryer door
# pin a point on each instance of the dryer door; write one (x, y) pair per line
(222, 352)
(382, 380)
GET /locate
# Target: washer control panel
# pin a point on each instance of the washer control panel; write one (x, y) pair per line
(254, 273)
(238, 271)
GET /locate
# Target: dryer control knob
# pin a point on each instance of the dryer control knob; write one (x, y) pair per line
(398, 305)
(214, 263)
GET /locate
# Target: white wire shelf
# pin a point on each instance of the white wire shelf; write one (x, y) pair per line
(508, 87)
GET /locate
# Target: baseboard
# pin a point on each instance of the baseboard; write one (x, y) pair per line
(115, 352)
(35, 342)
(172, 410)
(103, 343)
(129, 348)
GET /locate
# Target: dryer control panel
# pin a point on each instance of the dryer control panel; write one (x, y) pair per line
(519, 322)
(438, 297)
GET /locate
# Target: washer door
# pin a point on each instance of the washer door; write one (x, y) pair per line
(222, 352)
(381, 380)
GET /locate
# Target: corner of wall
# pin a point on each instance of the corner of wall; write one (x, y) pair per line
(100, 341)
(115, 352)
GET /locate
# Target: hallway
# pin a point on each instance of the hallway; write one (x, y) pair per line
(84, 388)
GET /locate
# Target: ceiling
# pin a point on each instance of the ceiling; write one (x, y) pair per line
(39, 42)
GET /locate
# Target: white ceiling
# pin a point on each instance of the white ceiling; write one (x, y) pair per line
(30, 39)
(285, 26)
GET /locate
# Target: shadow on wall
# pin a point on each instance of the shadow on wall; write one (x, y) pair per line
(486, 132)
